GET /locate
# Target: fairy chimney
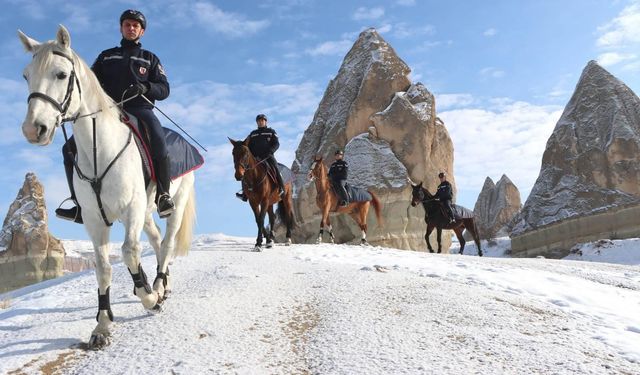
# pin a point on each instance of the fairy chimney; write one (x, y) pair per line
(28, 252)
(389, 130)
(589, 182)
(496, 207)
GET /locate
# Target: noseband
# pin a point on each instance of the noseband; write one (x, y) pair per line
(64, 106)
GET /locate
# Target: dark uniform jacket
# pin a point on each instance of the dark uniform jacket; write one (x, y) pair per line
(339, 170)
(119, 67)
(263, 142)
(445, 192)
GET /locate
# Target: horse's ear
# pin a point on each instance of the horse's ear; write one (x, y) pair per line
(318, 158)
(246, 142)
(232, 141)
(63, 37)
(28, 43)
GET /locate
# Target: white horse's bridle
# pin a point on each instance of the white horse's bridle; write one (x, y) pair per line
(64, 106)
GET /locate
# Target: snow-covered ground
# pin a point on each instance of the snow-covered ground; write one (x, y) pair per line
(338, 309)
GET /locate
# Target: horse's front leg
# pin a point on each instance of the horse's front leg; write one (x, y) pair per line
(458, 232)
(324, 221)
(259, 213)
(439, 235)
(100, 238)
(426, 237)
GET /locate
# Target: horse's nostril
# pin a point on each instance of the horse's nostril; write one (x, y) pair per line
(42, 130)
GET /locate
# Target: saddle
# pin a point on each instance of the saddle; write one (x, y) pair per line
(287, 175)
(183, 156)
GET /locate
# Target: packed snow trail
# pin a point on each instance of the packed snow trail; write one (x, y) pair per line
(336, 309)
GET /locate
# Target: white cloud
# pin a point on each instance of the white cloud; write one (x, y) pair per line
(492, 72)
(214, 19)
(384, 28)
(403, 30)
(331, 48)
(446, 101)
(506, 138)
(613, 58)
(490, 32)
(364, 13)
(622, 30)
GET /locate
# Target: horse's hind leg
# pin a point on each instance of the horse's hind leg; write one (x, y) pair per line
(362, 222)
(270, 235)
(426, 237)
(131, 252)
(439, 235)
(458, 231)
(100, 335)
(162, 282)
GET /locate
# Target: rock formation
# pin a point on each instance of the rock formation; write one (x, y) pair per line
(590, 174)
(496, 207)
(28, 252)
(389, 130)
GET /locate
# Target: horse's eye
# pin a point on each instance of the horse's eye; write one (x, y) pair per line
(61, 75)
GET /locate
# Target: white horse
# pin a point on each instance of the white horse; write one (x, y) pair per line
(62, 87)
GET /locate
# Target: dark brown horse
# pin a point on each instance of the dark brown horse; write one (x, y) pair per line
(262, 192)
(327, 201)
(435, 217)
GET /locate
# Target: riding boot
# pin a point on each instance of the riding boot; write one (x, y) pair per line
(242, 196)
(164, 201)
(280, 183)
(74, 213)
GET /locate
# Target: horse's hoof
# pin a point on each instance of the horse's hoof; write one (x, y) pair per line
(364, 243)
(269, 245)
(480, 254)
(431, 251)
(98, 341)
(288, 243)
(157, 308)
(257, 249)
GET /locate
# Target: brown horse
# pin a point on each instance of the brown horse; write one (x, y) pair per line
(327, 201)
(262, 192)
(435, 217)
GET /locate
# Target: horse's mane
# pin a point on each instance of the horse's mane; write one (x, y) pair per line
(44, 56)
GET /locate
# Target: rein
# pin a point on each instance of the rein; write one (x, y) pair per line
(243, 163)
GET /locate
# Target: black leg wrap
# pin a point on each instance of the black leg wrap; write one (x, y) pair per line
(163, 277)
(104, 304)
(140, 280)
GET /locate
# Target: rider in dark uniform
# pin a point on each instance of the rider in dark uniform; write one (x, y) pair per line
(263, 143)
(338, 175)
(445, 195)
(128, 72)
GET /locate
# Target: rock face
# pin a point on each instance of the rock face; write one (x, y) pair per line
(496, 207)
(28, 252)
(591, 166)
(389, 130)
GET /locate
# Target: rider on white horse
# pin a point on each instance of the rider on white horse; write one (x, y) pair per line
(127, 72)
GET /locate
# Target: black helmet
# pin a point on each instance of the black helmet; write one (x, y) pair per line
(261, 117)
(132, 14)
(442, 174)
(339, 152)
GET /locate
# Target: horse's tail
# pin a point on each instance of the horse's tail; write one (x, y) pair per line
(185, 233)
(378, 208)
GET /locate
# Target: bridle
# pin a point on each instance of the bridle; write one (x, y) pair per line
(64, 105)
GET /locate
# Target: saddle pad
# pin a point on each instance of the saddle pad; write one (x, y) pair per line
(358, 194)
(287, 175)
(183, 156)
(461, 213)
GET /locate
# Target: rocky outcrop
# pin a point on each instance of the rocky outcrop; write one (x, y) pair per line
(28, 252)
(591, 165)
(496, 207)
(389, 129)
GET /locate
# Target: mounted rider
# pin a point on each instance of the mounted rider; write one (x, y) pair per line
(126, 73)
(338, 173)
(445, 195)
(263, 144)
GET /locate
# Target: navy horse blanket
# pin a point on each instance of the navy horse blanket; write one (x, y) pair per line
(358, 194)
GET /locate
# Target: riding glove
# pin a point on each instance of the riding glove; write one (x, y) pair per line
(136, 89)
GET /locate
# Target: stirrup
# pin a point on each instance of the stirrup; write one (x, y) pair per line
(166, 211)
(72, 214)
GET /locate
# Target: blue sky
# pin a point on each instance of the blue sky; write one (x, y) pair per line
(501, 71)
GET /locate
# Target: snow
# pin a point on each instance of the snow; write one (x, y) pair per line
(340, 309)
